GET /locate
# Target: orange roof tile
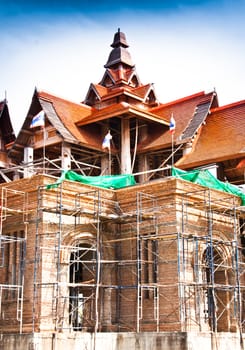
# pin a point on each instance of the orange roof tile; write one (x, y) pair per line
(66, 107)
(121, 75)
(70, 113)
(107, 93)
(142, 90)
(101, 90)
(223, 133)
(182, 110)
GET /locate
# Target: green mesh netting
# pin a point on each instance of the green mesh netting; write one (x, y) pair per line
(105, 181)
(205, 178)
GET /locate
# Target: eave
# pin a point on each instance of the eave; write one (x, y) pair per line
(121, 92)
(121, 110)
(186, 165)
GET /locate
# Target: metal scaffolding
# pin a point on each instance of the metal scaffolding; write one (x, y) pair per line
(165, 263)
(218, 283)
(77, 256)
(13, 210)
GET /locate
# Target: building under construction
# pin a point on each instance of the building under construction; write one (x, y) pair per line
(105, 242)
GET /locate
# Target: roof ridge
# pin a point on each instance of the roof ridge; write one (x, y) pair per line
(48, 94)
(230, 105)
(198, 94)
(143, 86)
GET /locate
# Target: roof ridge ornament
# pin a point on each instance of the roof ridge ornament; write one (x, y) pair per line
(119, 40)
(119, 54)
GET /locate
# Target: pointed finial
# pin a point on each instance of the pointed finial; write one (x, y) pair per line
(119, 39)
(119, 54)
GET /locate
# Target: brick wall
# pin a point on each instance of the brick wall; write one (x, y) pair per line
(135, 257)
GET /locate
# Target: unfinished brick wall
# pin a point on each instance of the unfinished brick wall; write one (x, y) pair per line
(135, 259)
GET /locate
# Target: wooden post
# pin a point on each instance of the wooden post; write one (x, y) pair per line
(143, 164)
(143, 168)
(125, 147)
(28, 161)
(104, 165)
(66, 157)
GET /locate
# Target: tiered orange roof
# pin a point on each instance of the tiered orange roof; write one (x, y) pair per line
(70, 114)
(182, 111)
(221, 138)
(212, 133)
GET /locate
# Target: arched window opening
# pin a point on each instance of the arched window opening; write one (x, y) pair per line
(215, 280)
(82, 281)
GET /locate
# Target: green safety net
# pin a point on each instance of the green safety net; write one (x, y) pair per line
(105, 181)
(205, 178)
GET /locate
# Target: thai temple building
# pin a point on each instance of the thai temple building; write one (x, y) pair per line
(123, 219)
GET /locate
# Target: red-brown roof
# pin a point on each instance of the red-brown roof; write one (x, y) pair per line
(101, 90)
(121, 74)
(216, 133)
(73, 115)
(182, 111)
(65, 108)
(143, 90)
(107, 93)
(70, 113)
(221, 138)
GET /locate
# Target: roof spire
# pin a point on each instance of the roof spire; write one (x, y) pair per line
(119, 54)
(119, 39)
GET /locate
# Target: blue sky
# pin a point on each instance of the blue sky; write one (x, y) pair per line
(183, 47)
